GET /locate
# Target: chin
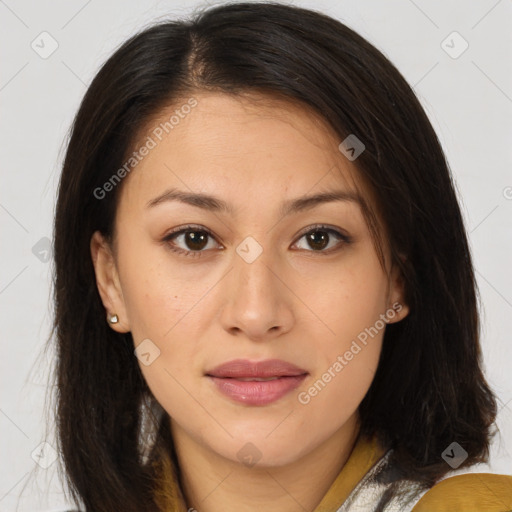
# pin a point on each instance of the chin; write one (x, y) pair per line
(262, 452)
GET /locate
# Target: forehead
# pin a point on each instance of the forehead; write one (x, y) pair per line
(251, 146)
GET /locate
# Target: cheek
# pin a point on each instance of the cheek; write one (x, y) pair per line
(348, 299)
(162, 305)
(331, 398)
(158, 295)
(345, 373)
(352, 309)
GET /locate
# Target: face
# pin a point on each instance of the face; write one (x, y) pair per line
(200, 286)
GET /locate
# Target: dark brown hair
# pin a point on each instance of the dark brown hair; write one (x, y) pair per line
(429, 389)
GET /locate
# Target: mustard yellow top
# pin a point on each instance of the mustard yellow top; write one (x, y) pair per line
(473, 492)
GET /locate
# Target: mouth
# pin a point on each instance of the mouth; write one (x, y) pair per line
(256, 383)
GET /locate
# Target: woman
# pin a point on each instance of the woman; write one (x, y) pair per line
(264, 294)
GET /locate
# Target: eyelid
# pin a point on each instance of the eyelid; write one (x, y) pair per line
(185, 227)
(326, 227)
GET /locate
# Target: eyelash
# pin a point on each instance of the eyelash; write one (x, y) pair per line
(195, 254)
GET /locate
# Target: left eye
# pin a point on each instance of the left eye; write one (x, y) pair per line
(319, 238)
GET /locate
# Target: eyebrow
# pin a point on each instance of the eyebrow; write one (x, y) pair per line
(215, 204)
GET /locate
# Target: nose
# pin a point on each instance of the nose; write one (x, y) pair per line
(259, 301)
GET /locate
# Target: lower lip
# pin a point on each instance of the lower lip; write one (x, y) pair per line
(257, 392)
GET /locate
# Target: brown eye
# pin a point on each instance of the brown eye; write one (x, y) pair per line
(192, 240)
(319, 238)
(195, 240)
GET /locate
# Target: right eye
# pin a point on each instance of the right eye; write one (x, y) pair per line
(193, 237)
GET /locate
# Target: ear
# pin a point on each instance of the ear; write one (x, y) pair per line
(107, 281)
(396, 296)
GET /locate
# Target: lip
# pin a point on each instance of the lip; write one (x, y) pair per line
(228, 380)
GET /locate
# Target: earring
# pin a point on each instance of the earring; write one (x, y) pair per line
(113, 319)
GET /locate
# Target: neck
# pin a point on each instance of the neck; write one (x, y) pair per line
(211, 482)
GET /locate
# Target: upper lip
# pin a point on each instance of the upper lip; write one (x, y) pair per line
(242, 368)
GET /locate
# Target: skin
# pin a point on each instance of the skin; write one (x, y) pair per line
(293, 302)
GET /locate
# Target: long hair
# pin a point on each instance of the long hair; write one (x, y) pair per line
(429, 389)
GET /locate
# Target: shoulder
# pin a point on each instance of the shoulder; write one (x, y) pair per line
(473, 491)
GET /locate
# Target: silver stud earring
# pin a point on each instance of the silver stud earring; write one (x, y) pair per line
(113, 319)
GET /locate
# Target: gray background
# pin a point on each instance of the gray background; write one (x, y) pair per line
(467, 95)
